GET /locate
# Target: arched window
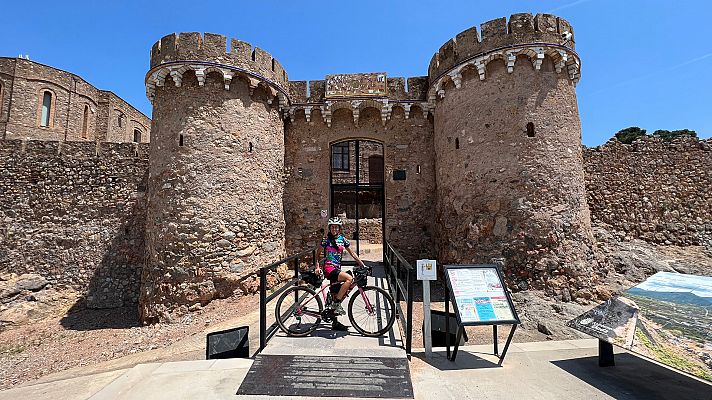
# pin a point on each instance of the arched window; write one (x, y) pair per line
(1, 103)
(137, 136)
(120, 120)
(46, 116)
(85, 121)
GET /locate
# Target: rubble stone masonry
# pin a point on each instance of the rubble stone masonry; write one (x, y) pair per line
(74, 212)
(653, 190)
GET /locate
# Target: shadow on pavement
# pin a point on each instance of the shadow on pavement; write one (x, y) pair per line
(635, 378)
(331, 334)
(464, 360)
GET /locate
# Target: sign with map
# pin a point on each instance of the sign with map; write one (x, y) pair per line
(479, 295)
(667, 318)
(371, 84)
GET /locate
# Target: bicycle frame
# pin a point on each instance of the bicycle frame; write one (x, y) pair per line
(299, 309)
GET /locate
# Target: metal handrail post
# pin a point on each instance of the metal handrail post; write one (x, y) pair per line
(409, 321)
(397, 277)
(263, 308)
(296, 280)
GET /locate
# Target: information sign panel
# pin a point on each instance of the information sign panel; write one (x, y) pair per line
(666, 318)
(479, 295)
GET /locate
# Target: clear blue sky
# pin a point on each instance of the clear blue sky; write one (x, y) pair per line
(645, 63)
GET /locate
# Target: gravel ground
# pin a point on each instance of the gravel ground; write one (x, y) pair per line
(89, 337)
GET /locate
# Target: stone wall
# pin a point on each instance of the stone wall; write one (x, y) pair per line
(407, 146)
(652, 189)
(369, 229)
(74, 212)
(79, 111)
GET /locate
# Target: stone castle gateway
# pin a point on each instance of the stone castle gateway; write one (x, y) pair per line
(479, 160)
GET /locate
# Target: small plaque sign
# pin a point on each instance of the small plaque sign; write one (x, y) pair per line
(355, 85)
(427, 270)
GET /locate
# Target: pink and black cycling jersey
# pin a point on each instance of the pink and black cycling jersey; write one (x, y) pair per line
(333, 254)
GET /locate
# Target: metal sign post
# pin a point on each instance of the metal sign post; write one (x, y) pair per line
(426, 271)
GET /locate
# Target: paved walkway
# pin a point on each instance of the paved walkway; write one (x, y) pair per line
(544, 370)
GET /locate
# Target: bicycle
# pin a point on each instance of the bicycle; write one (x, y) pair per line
(300, 309)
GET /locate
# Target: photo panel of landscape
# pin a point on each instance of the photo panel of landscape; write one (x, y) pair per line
(666, 318)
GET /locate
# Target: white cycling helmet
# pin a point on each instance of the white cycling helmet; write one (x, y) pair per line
(335, 221)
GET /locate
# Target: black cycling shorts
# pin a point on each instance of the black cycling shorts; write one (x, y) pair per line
(333, 275)
(334, 278)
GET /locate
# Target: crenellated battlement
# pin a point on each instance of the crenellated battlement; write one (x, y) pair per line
(211, 47)
(533, 38)
(310, 92)
(521, 29)
(176, 54)
(311, 95)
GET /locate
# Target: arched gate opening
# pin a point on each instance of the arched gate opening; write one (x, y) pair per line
(358, 196)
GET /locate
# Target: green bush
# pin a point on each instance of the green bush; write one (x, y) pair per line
(628, 135)
(670, 135)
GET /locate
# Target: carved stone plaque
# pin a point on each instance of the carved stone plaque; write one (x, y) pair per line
(353, 85)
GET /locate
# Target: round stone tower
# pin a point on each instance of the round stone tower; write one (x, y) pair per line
(509, 167)
(216, 167)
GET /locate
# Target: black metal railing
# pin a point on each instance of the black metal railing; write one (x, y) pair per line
(401, 277)
(266, 333)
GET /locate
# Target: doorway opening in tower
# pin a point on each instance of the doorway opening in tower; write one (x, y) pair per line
(358, 196)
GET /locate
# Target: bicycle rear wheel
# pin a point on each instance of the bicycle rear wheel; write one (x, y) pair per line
(375, 316)
(298, 311)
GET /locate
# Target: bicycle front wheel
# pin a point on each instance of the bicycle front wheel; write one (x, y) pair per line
(298, 311)
(372, 312)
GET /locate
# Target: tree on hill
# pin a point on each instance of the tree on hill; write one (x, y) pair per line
(628, 135)
(669, 135)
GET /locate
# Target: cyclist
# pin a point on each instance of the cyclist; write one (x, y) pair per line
(333, 246)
